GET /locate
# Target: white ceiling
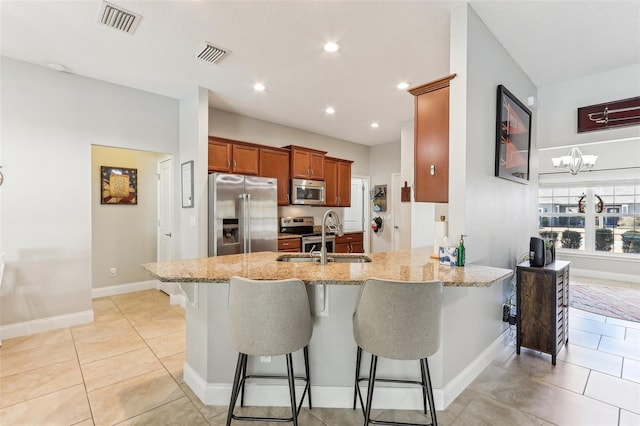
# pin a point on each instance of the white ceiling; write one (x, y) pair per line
(280, 43)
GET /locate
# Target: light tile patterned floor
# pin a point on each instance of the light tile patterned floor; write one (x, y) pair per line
(126, 368)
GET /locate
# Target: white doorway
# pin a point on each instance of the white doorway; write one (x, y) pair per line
(165, 216)
(357, 217)
(396, 227)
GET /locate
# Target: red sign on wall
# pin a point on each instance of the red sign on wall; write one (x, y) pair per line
(625, 112)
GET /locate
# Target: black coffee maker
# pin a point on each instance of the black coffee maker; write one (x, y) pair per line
(539, 253)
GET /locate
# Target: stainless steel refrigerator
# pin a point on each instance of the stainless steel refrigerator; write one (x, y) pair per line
(243, 214)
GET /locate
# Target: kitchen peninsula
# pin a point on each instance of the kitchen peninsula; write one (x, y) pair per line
(472, 329)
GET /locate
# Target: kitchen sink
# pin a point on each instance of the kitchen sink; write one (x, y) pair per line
(330, 258)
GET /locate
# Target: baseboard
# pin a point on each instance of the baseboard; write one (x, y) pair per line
(124, 288)
(45, 324)
(402, 398)
(459, 383)
(603, 275)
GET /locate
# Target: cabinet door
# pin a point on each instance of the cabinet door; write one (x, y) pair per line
(300, 164)
(275, 164)
(344, 183)
(432, 146)
(245, 160)
(316, 165)
(219, 156)
(537, 300)
(342, 248)
(331, 182)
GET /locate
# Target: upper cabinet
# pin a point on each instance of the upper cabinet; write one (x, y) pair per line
(431, 143)
(306, 163)
(337, 176)
(233, 157)
(274, 162)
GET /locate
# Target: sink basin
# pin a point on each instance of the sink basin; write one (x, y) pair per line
(330, 259)
(348, 259)
(294, 258)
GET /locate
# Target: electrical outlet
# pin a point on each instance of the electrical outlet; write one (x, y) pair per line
(265, 359)
(505, 312)
(113, 271)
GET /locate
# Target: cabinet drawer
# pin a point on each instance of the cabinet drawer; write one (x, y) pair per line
(289, 244)
(349, 238)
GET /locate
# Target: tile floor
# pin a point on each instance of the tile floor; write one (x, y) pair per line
(126, 368)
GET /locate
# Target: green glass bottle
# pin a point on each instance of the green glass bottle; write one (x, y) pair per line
(461, 251)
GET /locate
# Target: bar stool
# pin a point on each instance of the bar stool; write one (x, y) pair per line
(269, 318)
(397, 320)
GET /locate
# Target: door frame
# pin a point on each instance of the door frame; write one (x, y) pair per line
(169, 288)
(366, 211)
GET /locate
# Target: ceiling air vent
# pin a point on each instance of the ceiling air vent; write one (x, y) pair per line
(210, 53)
(118, 18)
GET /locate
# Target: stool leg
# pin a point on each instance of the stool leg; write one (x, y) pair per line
(306, 368)
(292, 390)
(424, 387)
(235, 388)
(244, 375)
(432, 404)
(372, 381)
(356, 388)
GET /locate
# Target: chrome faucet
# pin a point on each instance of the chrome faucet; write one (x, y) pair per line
(338, 224)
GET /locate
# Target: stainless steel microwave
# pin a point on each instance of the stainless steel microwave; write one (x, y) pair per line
(308, 192)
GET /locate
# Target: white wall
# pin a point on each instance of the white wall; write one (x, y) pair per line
(384, 160)
(499, 215)
(50, 120)
(558, 105)
(124, 236)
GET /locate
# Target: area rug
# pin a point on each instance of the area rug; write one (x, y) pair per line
(616, 302)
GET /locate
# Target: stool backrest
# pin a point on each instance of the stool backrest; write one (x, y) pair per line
(269, 317)
(399, 319)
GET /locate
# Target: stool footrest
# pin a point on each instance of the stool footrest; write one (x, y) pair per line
(384, 422)
(262, 419)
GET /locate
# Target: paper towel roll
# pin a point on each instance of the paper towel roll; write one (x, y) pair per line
(439, 232)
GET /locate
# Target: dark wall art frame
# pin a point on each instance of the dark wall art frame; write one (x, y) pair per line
(513, 137)
(625, 112)
(118, 185)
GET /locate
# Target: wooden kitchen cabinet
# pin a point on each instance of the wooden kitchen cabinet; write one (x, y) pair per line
(229, 156)
(337, 177)
(352, 242)
(274, 162)
(292, 245)
(542, 318)
(306, 163)
(431, 141)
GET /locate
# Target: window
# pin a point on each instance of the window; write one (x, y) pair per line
(591, 219)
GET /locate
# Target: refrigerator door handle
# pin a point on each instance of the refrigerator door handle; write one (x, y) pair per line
(247, 223)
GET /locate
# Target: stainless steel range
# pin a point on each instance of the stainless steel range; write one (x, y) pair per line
(303, 226)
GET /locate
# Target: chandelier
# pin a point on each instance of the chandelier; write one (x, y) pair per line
(575, 161)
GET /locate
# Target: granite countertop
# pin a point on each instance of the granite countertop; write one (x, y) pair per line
(404, 265)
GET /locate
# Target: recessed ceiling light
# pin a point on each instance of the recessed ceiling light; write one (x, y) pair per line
(259, 87)
(375, 125)
(402, 85)
(331, 46)
(330, 110)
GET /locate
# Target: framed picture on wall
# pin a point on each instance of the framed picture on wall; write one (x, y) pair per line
(118, 185)
(513, 137)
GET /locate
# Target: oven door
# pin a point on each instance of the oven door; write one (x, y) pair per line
(314, 243)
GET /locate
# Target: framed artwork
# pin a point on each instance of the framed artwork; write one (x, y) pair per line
(625, 112)
(118, 185)
(513, 137)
